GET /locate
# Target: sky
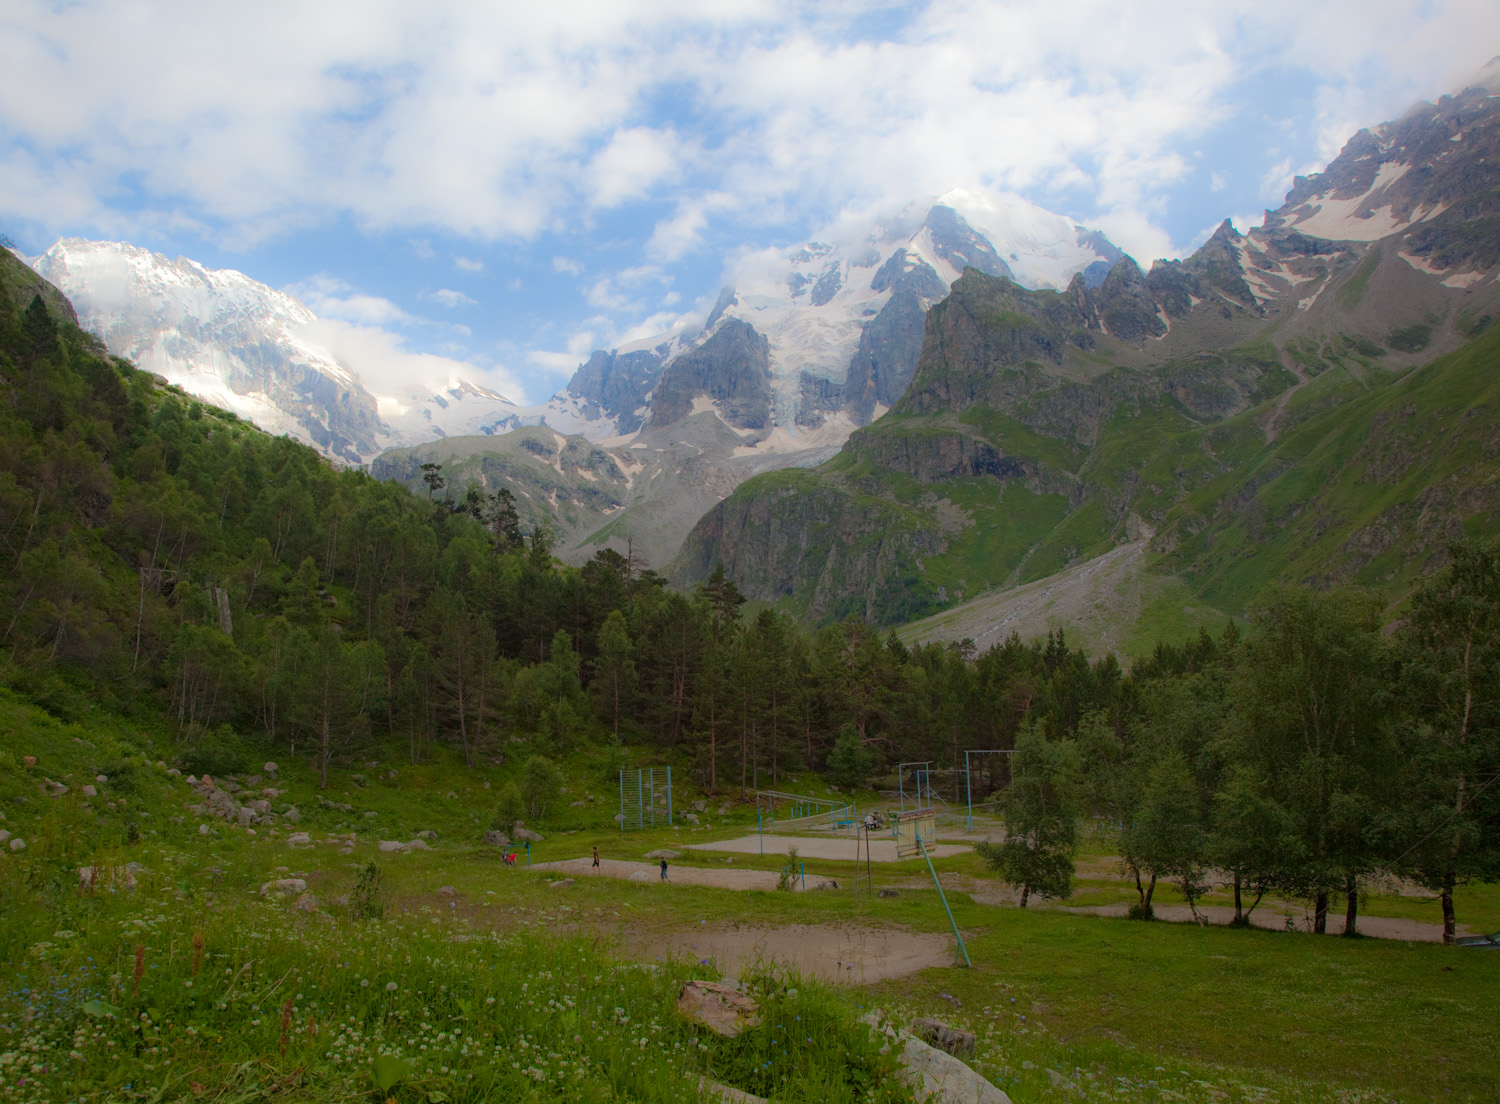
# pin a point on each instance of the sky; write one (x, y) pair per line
(495, 189)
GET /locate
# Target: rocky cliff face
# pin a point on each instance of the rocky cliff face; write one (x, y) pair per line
(1041, 426)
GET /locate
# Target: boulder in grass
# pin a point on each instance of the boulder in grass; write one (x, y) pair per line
(527, 835)
(428, 835)
(935, 1074)
(392, 845)
(561, 883)
(721, 1009)
(415, 845)
(663, 853)
(17, 845)
(283, 887)
(495, 838)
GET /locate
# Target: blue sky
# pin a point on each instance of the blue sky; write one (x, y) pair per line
(512, 185)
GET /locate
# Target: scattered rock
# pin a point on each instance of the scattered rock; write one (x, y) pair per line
(89, 791)
(101, 779)
(452, 796)
(428, 835)
(888, 893)
(4, 835)
(173, 772)
(392, 845)
(576, 804)
(955, 1041)
(691, 818)
(416, 845)
(700, 806)
(446, 891)
(663, 853)
(245, 816)
(1059, 1081)
(349, 850)
(495, 838)
(271, 792)
(619, 818)
(270, 768)
(56, 789)
(112, 878)
(717, 1007)
(203, 829)
(299, 839)
(17, 845)
(561, 883)
(291, 815)
(639, 876)
(29, 760)
(527, 834)
(723, 810)
(283, 887)
(306, 903)
(827, 884)
(370, 815)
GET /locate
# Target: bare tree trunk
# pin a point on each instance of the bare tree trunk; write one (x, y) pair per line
(1320, 912)
(1447, 898)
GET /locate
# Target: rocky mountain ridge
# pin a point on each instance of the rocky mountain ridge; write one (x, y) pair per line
(1042, 428)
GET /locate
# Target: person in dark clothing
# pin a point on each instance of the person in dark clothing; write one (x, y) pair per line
(664, 870)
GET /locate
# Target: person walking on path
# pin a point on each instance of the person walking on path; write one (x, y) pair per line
(664, 870)
(596, 857)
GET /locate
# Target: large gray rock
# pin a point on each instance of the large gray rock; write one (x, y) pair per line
(663, 853)
(495, 838)
(935, 1073)
(392, 845)
(527, 834)
(718, 1007)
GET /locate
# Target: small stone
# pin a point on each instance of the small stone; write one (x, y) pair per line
(292, 815)
(691, 818)
(346, 850)
(700, 806)
(203, 829)
(100, 778)
(4, 835)
(370, 815)
(56, 789)
(888, 893)
(89, 791)
(392, 845)
(416, 845)
(495, 838)
(527, 834)
(428, 835)
(160, 765)
(561, 883)
(446, 891)
(452, 796)
(826, 884)
(29, 760)
(619, 818)
(722, 1010)
(270, 768)
(173, 772)
(299, 839)
(306, 903)
(955, 1041)
(17, 845)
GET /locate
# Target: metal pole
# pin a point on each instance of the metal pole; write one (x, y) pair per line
(944, 898)
(669, 797)
(760, 827)
(968, 795)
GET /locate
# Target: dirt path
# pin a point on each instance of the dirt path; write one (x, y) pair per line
(881, 851)
(1270, 919)
(834, 952)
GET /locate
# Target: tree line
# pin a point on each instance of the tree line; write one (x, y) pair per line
(168, 556)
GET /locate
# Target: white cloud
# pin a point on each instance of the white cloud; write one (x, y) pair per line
(449, 298)
(1217, 182)
(387, 367)
(567, 265)
(330, 297)
(241, 122)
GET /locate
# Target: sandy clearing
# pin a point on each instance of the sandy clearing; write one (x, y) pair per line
(834, 952)
(881, 850)
(650, 872)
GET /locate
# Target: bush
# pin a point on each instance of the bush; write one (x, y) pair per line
(217, 752)
(366, 900)
(540, 783)
(509, 808)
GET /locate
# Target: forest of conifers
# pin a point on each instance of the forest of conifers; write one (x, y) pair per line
(163, 556)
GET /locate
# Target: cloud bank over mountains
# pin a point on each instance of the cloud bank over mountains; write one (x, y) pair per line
(680, 125)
